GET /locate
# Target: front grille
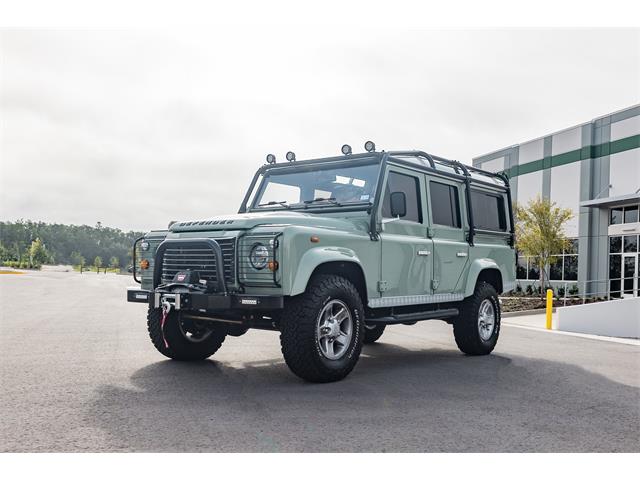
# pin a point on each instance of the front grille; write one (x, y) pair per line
(202, 260)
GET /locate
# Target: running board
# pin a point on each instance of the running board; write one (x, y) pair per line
(414, 317)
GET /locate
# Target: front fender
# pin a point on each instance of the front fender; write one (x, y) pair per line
(477, 266)
(311, 259)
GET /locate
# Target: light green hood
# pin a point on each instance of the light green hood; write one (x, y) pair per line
(246, 221)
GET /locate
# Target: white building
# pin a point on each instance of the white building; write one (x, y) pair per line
(593, 169)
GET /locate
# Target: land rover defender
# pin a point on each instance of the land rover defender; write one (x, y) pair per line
(329, 252)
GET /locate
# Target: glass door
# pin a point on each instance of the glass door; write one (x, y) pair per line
(630, 275)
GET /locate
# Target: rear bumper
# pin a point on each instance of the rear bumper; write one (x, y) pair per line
(203, 301)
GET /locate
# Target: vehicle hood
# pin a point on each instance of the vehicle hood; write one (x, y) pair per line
(246, 221)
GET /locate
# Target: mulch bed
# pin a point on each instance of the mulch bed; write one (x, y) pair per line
(519, 304)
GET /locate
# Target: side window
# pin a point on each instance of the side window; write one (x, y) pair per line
(397, 182)
(445, 204)
(488, 211)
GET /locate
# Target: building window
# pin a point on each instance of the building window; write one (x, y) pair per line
(564, 269)
(631, 214)
(623, 250)
(521, 270)
(630, 244)
(620, 215)
(445, 205)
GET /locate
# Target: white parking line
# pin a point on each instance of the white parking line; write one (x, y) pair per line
(626, 341)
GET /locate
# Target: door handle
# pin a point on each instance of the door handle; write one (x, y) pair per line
(461, 254)
(424, 252)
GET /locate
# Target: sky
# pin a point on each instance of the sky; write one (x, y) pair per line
(134, 128)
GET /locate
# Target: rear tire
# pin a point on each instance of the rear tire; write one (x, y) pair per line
(373, 333)
(322, 330)
(185, 341)
(477, 328)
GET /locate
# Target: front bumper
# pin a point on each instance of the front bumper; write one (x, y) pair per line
(204, 302)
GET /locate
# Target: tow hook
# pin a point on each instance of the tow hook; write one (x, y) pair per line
(166, 308)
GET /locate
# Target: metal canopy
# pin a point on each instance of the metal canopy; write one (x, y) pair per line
(618, 201)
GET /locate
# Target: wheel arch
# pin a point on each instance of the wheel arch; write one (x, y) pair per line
(484, 270)
(342, 262)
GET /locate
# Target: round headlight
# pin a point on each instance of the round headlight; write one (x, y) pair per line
(144, 246)
(259, 256)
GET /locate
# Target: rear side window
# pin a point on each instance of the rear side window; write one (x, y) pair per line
(445, 204)
(488, 211)
(397, 182)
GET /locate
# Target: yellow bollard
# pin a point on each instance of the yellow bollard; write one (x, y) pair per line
(549, 307)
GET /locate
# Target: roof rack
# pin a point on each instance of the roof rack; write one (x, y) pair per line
(463, 172)
(458, 167)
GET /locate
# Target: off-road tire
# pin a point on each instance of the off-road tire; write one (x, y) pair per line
(373, 333)
(181, 348)
(298, 327)
(465, 326)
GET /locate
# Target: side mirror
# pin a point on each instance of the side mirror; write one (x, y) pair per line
(398, 204)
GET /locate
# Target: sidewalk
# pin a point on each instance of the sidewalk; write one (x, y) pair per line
(537, 322)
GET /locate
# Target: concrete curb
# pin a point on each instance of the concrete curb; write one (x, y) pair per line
(602, 338)
(521, 313)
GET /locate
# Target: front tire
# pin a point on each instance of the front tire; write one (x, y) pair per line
(322, 330)
(477, 328)
(185, 339)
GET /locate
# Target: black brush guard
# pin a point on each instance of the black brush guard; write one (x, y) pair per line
(183, 299)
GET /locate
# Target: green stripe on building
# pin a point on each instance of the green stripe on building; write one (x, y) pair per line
(594, 151)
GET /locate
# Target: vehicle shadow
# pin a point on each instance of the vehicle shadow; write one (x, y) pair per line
(396, 400)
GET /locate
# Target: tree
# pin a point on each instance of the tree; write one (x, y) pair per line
(114, 262)
(540, 232)
(77, 260)
(97, 263)
(37, 253)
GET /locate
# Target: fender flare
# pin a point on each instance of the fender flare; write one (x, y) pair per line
(315, 257)
(477, 266)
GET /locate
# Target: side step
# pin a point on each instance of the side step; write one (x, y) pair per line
(414, 317)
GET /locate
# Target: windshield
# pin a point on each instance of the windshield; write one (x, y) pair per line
(319, 187)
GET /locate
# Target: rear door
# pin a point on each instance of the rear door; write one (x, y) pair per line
(406, 251)
(451, 250)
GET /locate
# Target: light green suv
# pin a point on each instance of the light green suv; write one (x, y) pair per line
(329, 252)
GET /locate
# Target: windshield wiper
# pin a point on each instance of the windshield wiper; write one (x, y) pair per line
(282, 203)
(332, 200)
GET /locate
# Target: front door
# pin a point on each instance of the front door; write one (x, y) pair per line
(407, 253)
(630, 274)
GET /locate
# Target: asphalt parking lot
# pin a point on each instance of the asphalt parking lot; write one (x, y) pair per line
(78, 373)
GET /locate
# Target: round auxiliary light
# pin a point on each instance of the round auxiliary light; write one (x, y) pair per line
(144, 246)
(271, 159)
(346, 149)
(259, 256)
(291, 156)
(369, 146)
(144, 264)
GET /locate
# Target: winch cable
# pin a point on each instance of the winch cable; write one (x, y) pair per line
(166, 308)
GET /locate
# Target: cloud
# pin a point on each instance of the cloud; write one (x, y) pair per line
(135, 128)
